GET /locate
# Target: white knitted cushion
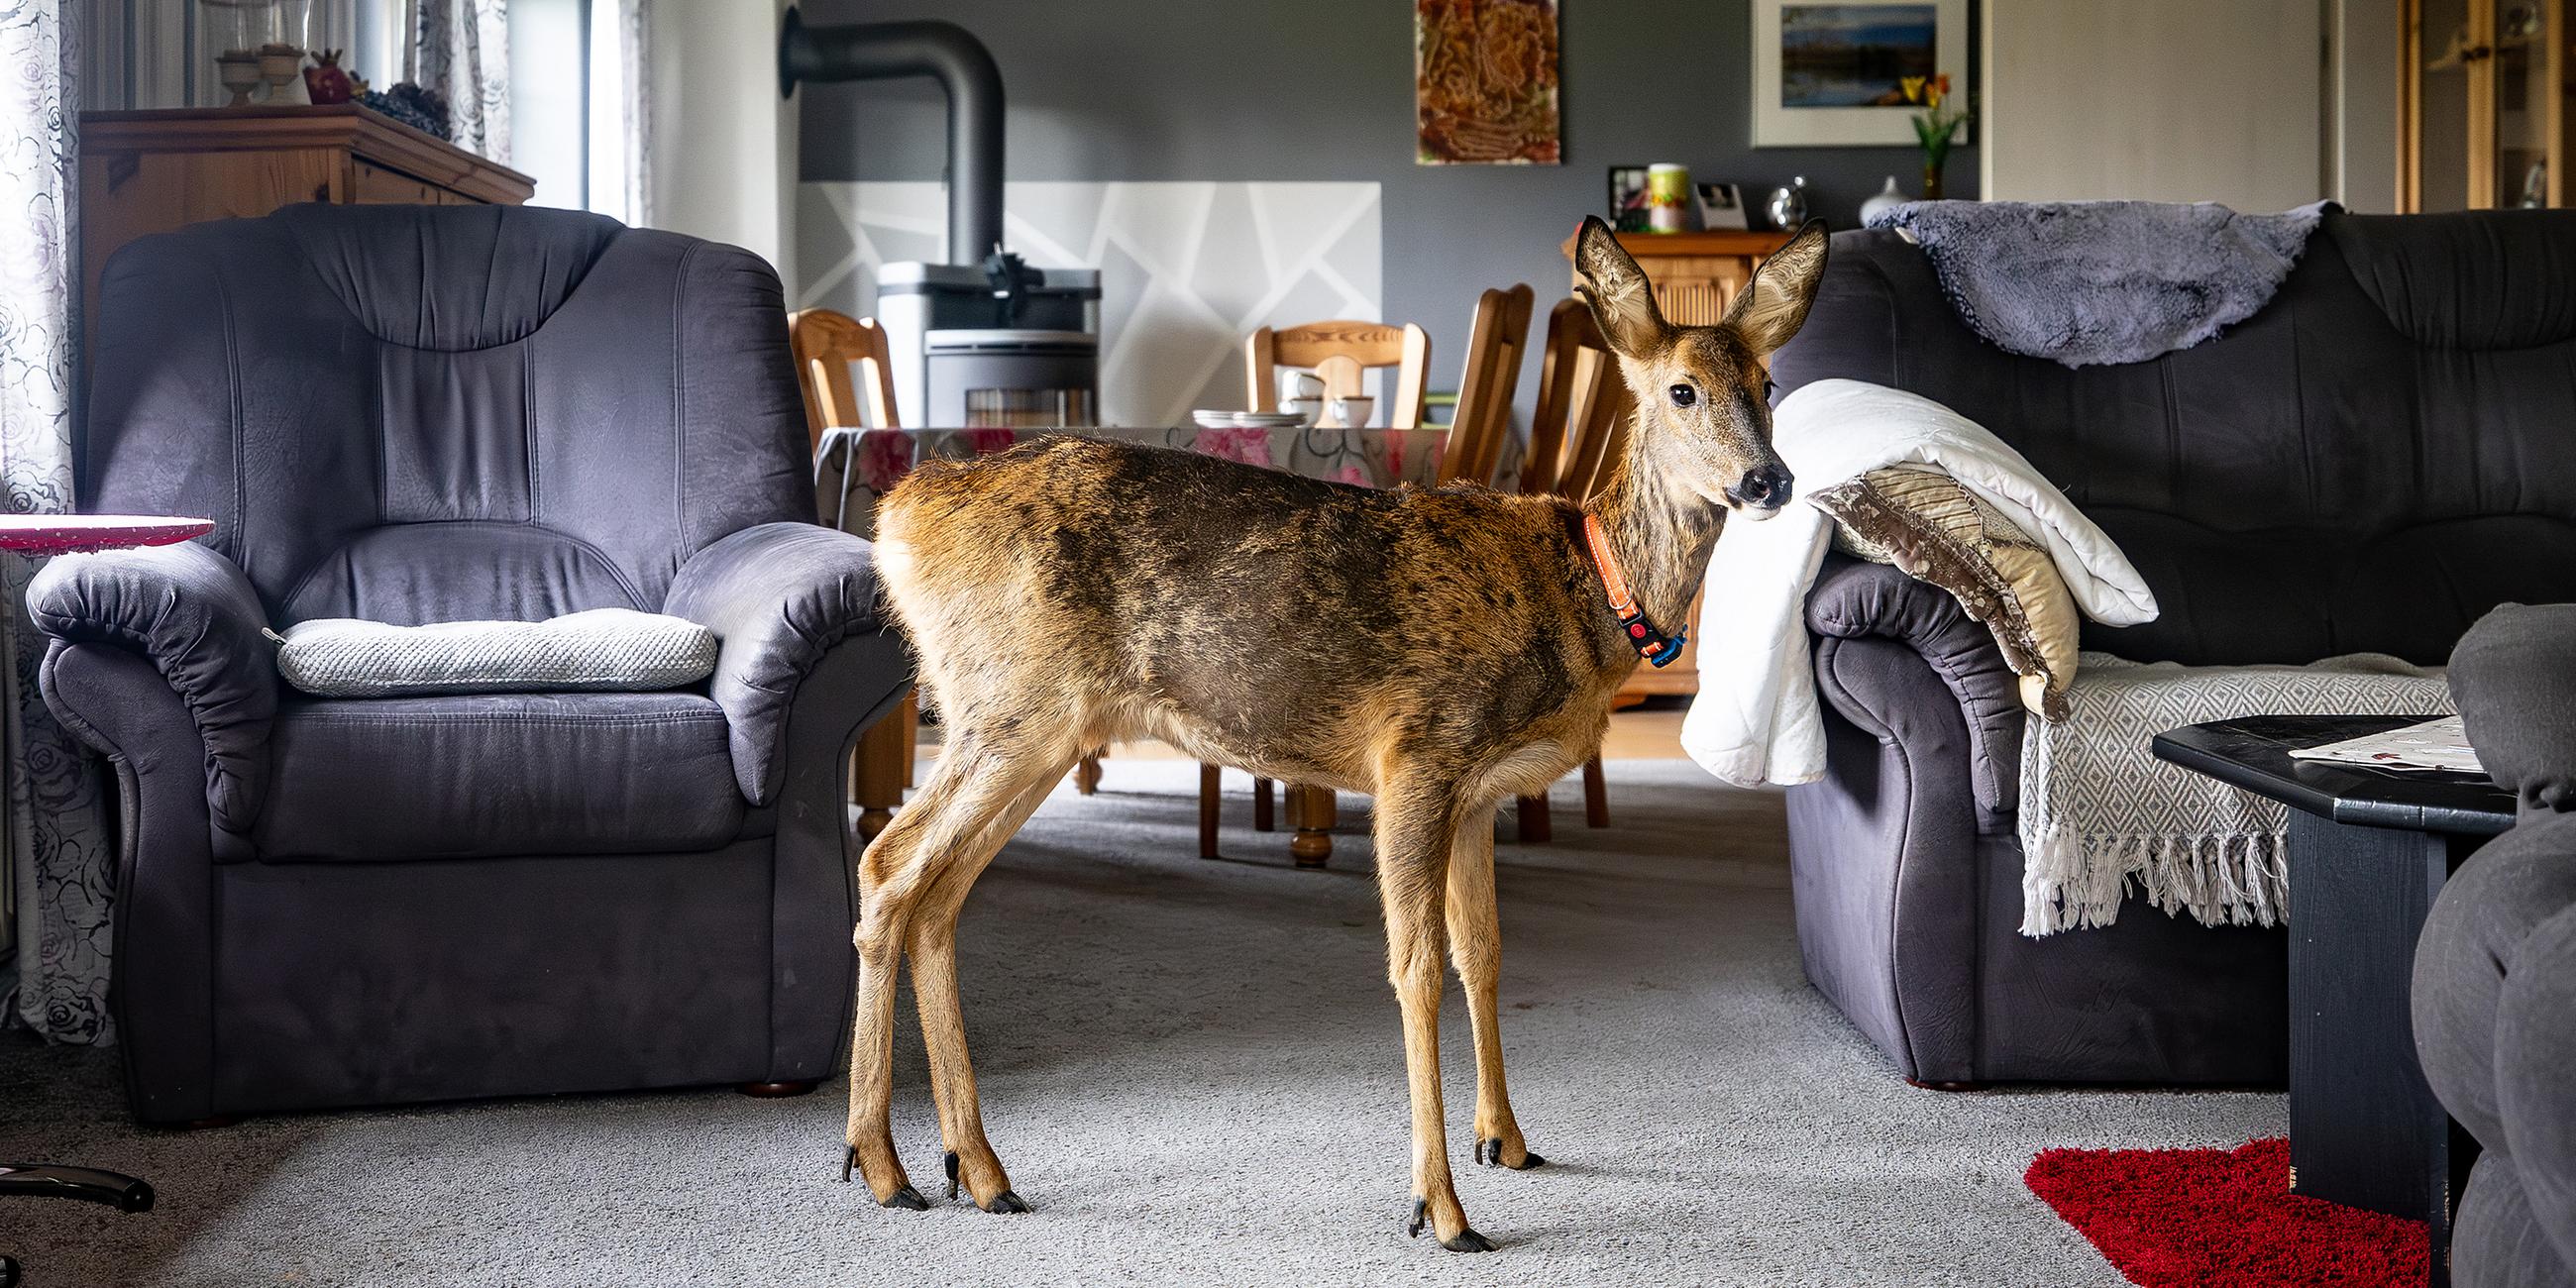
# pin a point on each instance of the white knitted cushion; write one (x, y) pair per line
(612, 649)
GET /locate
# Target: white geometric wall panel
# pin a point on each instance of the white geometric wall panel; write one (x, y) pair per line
(1186, 269)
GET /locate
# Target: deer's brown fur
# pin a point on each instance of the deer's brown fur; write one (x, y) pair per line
(1438, 649)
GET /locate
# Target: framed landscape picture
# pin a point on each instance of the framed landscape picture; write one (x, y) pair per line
(1832, 73)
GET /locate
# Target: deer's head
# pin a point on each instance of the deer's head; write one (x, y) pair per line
(1703, 420)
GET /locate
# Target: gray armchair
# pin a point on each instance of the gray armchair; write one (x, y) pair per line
(416, 415)
(2495, 972)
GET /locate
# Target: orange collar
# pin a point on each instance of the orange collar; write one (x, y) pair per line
(1651, 644)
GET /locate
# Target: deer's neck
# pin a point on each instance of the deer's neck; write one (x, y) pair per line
(1662, 534)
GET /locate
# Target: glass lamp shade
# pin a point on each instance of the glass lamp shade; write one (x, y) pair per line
(291, 26)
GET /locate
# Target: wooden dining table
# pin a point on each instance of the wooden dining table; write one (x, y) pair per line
(854, 467)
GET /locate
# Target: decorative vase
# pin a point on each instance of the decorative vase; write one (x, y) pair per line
(1931, 179)
(1788, 208)
(1888, 198)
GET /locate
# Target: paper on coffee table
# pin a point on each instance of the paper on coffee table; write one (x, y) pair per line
(2435, 746)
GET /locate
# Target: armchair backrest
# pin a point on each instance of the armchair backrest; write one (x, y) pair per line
(415, 414)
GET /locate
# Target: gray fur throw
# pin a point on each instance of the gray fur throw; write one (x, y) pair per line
(2085, 283)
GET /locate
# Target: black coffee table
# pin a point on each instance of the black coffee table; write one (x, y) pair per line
(2368, 851)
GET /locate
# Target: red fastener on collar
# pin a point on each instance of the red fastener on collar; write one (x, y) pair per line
(1651, 644)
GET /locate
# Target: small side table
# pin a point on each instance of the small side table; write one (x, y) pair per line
(37, 536)
(2368, 852)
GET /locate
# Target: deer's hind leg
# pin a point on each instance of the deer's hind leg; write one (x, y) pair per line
(1417, 822)
(977, 783)
(932, 947)
(1475, 946)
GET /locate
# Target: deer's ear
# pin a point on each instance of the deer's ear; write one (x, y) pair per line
(1621, 299)
(1774, 304)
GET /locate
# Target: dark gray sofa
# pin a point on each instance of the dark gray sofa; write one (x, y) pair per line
(2495, 972)
(2384, 452)
(432, 414)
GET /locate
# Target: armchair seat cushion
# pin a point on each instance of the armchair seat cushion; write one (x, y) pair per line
(490, 775)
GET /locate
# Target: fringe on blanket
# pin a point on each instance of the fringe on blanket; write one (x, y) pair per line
(2226, 878)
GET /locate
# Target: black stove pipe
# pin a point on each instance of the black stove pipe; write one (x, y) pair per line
(946, 53)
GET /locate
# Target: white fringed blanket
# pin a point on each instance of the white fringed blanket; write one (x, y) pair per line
(2099, 813)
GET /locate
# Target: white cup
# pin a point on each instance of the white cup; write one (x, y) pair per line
(1353, 412)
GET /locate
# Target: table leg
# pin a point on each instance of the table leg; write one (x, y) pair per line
(1211, 783)
(1310, 811)
(2365, 1129)
(1261, 805)
(879, 769)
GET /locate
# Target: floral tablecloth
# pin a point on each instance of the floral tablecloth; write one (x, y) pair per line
(855, 466)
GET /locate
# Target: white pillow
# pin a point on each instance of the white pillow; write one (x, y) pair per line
(605, 649)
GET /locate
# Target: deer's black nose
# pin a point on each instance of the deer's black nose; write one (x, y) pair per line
(1766, 486)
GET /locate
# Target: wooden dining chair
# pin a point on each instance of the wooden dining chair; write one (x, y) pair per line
(1579, 426)
(1340, 353)
(843, 368)
(1484, 417)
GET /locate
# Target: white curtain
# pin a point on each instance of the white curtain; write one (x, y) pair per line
(461, 48)
(61, 868)
(635, 59)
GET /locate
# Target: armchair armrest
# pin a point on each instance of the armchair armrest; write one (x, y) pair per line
(1853, 599)
(779, 597)
(193, 614)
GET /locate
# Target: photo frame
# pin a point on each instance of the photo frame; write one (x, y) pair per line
(1627, 206)
(1828, 73)
(1721, 206)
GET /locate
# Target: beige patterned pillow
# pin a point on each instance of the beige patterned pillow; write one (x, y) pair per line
(1923, 522)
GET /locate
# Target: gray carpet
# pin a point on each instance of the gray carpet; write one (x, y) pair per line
(1193, 1071)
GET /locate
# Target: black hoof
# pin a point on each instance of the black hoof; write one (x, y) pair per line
(909, 1199)
(1414, 1220)
(1468, 1241)
(1006, 1201)
(848, 1161)
(952, 1176)
(1489, 1153)
(1532, 1161)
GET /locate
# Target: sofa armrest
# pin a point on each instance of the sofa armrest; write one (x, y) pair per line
(193, 615)
(1853, 599)
(779, 597)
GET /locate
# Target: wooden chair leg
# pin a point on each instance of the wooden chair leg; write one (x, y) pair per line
(1262, 819)
(1086, 776)
(1211, 785)
(1310, 811)
(1596, 795)
(912, 745)
(876, 771)
(1537, 826)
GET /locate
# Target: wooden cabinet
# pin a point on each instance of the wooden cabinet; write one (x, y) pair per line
(152, 171)
(1696, 275)
(2483, 110)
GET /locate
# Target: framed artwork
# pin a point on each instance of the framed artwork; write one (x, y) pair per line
(1484, 82)
(1721, 206)
(1832, 73)
(1627, 211)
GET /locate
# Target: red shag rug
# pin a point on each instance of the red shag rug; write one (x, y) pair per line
(2221, 1218)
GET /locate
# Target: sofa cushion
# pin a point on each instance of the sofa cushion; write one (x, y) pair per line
(372, 779)
(616, 650)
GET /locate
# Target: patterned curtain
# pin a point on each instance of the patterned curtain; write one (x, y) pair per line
(461, 48)
(61, 868)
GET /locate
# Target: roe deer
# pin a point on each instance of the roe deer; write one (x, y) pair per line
(1439, 649)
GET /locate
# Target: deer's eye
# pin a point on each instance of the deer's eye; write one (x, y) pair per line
(1683, 395)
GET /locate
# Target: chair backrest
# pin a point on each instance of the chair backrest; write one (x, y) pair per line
(1339, 352)
(1579, 422)
(828, 347)
(1493, 372)
(419, 414)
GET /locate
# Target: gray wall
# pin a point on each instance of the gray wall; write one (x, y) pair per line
(1323, 89)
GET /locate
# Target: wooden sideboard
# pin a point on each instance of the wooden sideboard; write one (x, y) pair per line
(151, 171)
(1696, 275)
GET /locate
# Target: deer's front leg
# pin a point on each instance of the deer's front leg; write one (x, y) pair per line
(1412, 856)
(1475, 945)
